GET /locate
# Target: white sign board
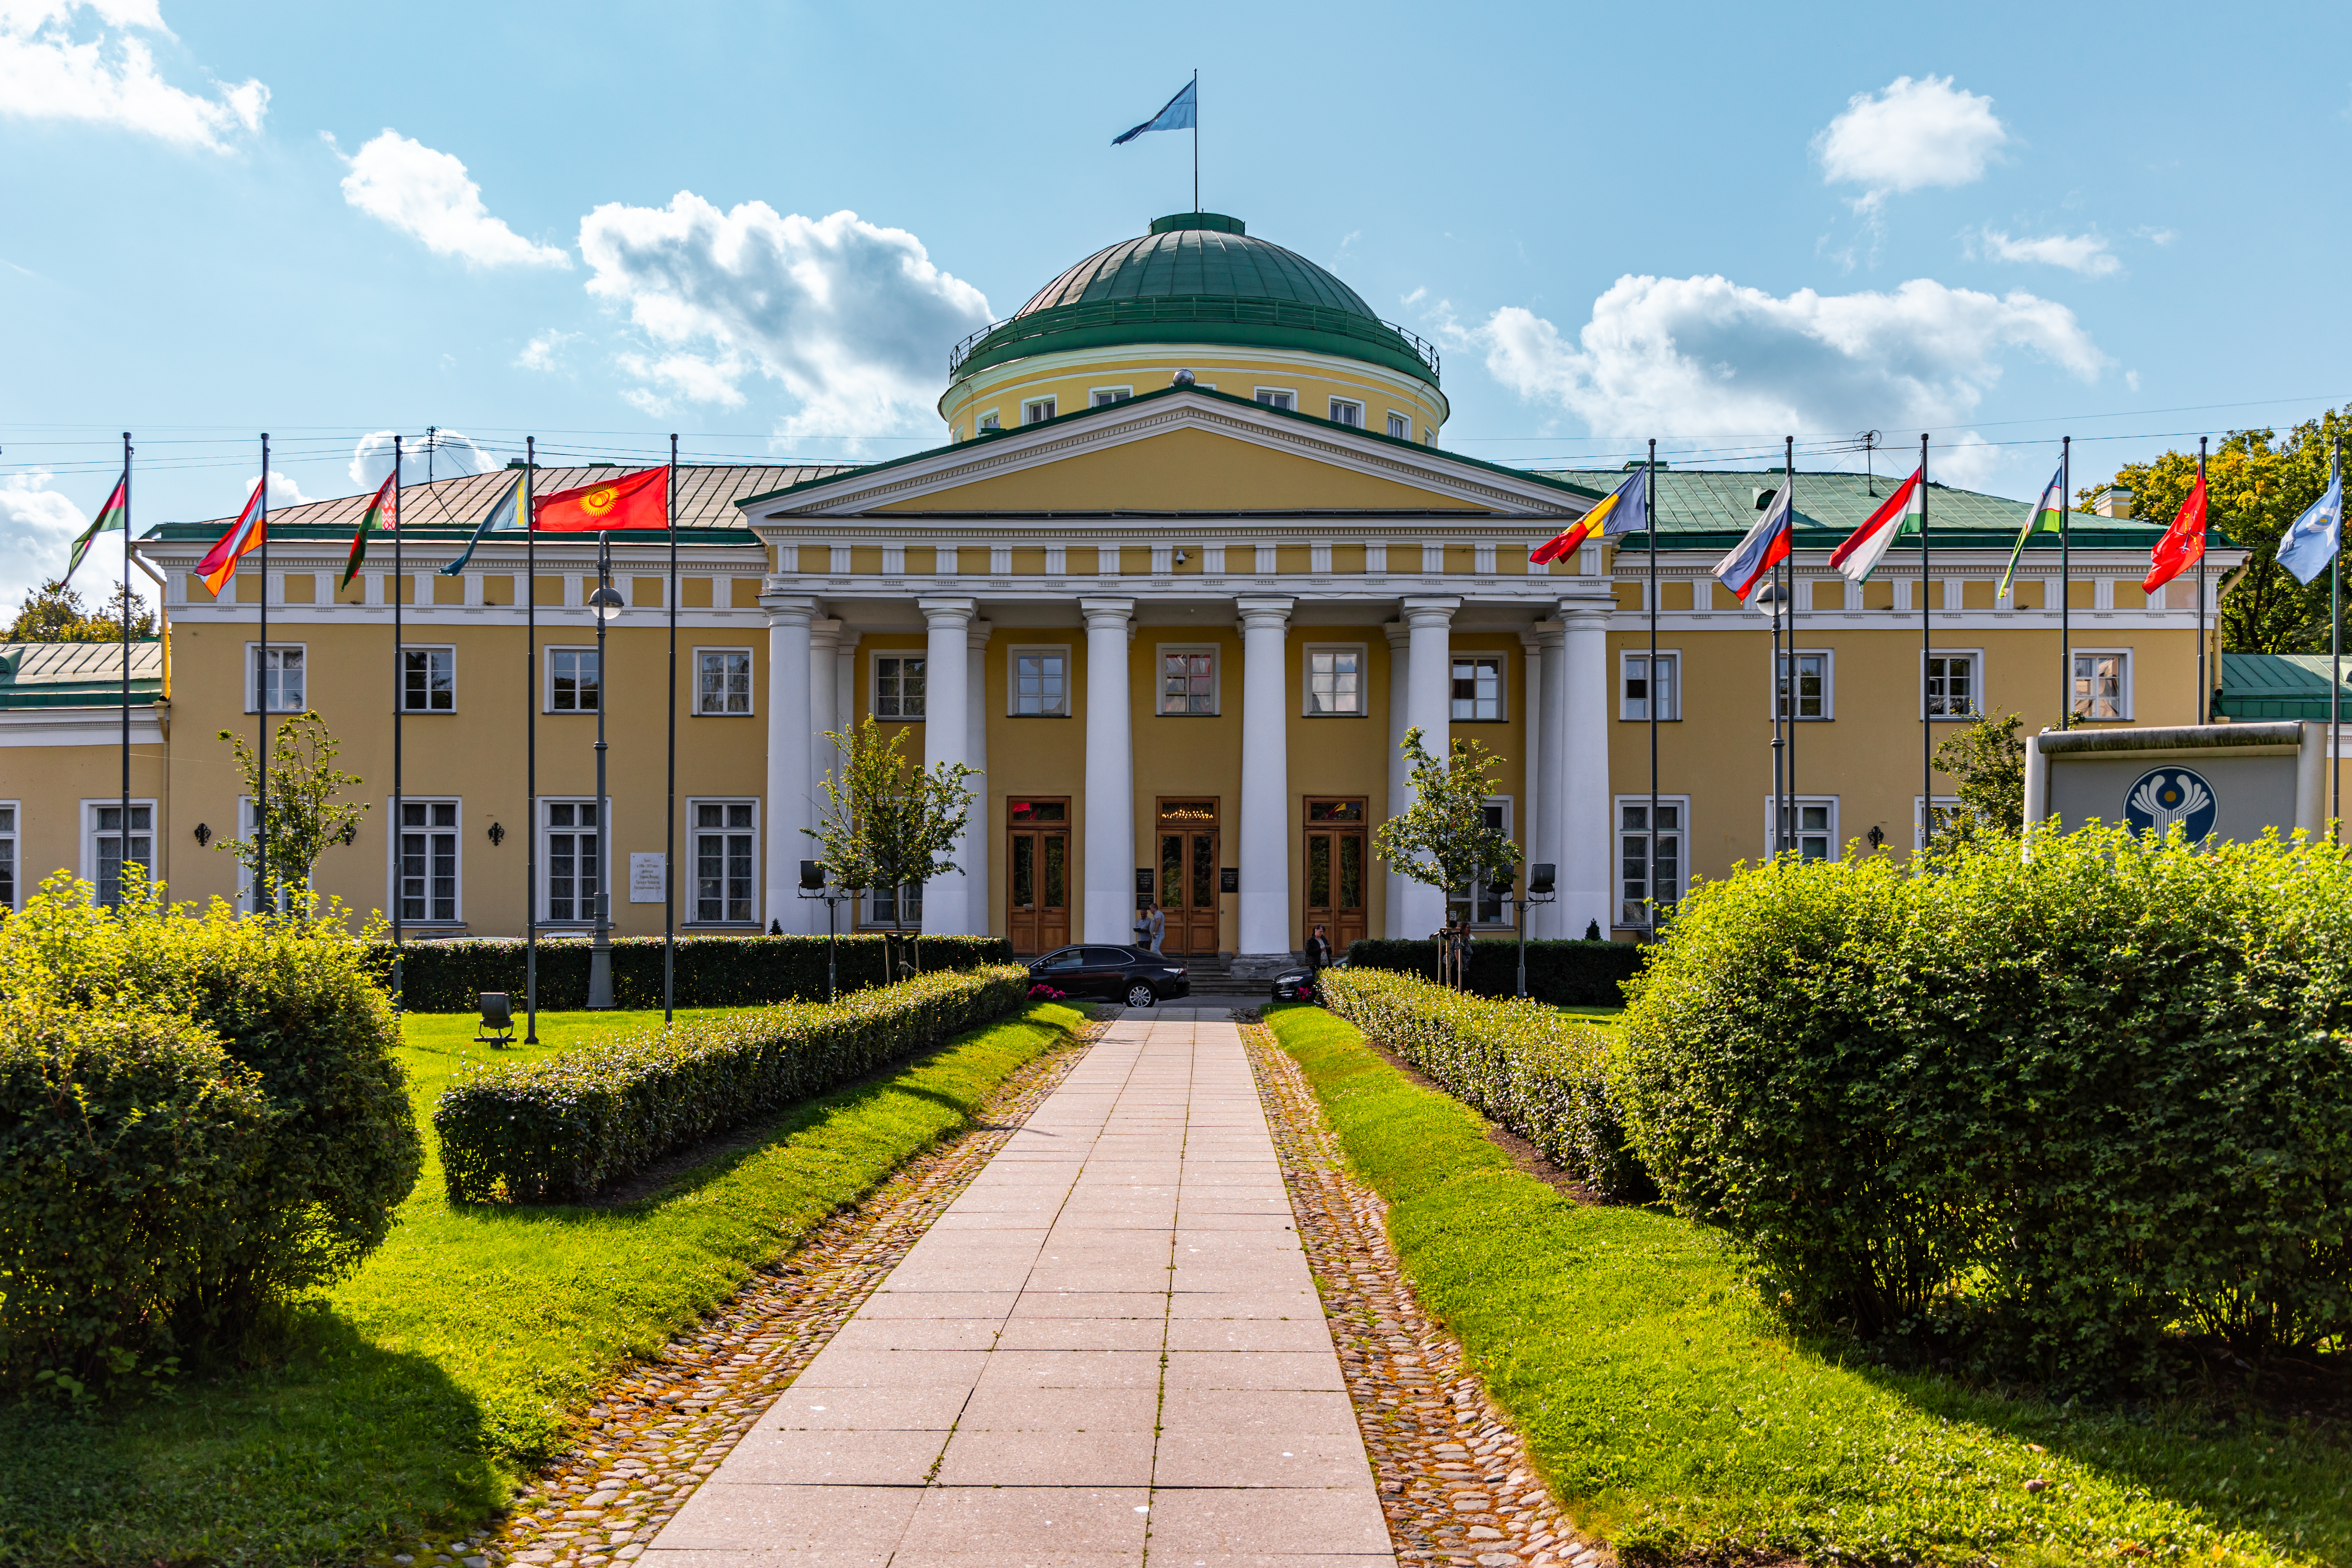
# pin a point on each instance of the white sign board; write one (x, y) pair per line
(645, 878)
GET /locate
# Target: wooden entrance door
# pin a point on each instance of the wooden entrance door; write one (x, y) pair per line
(1337, 854)
(1037, 875)
(1188, 875)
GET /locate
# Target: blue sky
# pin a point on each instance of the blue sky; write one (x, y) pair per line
(1712, 225)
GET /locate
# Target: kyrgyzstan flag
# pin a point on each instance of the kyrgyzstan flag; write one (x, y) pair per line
(2183, 544)
(634, 501)
(219, 564)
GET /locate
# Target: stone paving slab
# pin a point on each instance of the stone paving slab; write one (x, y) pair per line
(1109, 1344)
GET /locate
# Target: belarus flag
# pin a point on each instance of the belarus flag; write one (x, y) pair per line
(1765, 546)
(1901, 513)
(219, 564)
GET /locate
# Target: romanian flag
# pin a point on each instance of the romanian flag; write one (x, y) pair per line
(219, 564)
(2183, 544)
(1866, 546)
(634, 501)
(1765, 547)
(381, 512)
(1625, 510)
(2047, 517)
(114, 514)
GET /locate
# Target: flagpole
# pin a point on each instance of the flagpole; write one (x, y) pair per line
(1795, 672)
(1650, 523)
(1926, 655)
(1196, 140)
(2065, 595)
(1778, 833)
(2334, 657)
(262, 886)
(2204, 526)
(399, 705)
(530, 746)
(122, 850)
(669, 810)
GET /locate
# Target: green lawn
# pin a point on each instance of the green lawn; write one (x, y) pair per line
(407, 1399)
(1672, 1414)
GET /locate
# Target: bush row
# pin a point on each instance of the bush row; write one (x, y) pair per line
(712, 971)
(560, 1128)
(1534, 1069)
(1564, 974)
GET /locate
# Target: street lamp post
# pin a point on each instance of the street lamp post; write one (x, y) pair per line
(1538, 890)
(607, 605)
(815, 886)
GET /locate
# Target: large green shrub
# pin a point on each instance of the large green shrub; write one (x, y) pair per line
(129, 1143)
(559, 1128)
(2071, 1100)
(1531, 1066)
(1564, 974)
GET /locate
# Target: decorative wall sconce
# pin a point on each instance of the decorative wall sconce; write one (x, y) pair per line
(498, 836)
(203, 835)
(349, 834)
(1877, 836)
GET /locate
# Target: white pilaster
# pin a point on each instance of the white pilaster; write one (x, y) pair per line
(1429, 707)
(1263, 945)
(1110, 800)
(824, 704)
(1585, 807)
(1400, 680)
(947, 900)
(848, 692)
(983, 835)
(1548, 740)
(788, 812)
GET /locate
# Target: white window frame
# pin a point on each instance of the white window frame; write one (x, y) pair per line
(253, 675)
(1363, 707)
(871, 917)
(1502, 662)
(751, 683)
(1829, 683)
(1012, 657)
(1671, 658)
(1800, 802)
(428, 647)
(391, 869)
(1029, 407)
(1160, 679)
(546, 679)
(1395, 419)
(690, 885)
(1283, 397)
(874, 683)
(546, 831)
(1104, 396)
(1494, 803)
(2124, 697)
(89, 832)
(1619, 833)
(1947, 803)
(991, 420)
(12, 837)
(1353, 405)
(1977, 677)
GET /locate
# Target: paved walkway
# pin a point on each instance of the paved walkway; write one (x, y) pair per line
(1108, 1347)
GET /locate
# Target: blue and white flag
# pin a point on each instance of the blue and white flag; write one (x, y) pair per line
(2308, 546)
(1177, 116)
(504, 517)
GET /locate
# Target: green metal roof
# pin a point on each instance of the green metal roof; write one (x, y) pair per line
(2277, 686)
(1201, 278)
(78, 674)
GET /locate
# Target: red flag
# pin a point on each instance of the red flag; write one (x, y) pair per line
(634, 501)
(219, 564)
(2183, 544)
(380, 513)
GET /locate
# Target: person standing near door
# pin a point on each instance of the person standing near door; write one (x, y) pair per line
(1319, 951)
(1155, 927)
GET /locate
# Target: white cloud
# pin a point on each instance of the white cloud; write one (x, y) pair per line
(453, 453)
(851, 319)
(37, 524)
(2156, 237)
(1913, 135)
(545, 351)
(283, 491)
(1694, 358)
(2084, 253)
(56, 70)
(426, 194)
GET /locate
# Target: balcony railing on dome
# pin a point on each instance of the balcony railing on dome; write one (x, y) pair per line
(1183, 309)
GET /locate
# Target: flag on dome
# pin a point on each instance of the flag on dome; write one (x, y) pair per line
(1625, 510)
(505, 517)
(1765, 547)
(2047, 517)
(114, 514)
(244, 535)
(1177, 114)
(640, 499)
(381, 512)
(2313, 539)
(1866, 546)
(2183, 544)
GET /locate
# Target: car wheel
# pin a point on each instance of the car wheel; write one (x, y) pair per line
(1140, 996)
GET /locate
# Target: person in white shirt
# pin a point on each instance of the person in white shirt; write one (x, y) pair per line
(1155, 927)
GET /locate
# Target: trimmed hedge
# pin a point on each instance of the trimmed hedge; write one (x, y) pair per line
(1536, 1070)
(560, 1128)
(1564, 974)
(712, 971)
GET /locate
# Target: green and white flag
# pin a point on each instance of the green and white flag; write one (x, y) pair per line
(114, 514)
(2045, 517)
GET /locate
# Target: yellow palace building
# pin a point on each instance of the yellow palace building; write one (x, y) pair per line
(1192, 559)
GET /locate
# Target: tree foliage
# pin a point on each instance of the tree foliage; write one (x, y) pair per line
(1987, 763)
(1443, 839)
(888, 822)
(304, 816)
(55, 613)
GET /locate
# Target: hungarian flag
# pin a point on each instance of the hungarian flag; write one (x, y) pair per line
(1765, 547)
(1866, 546)
(219, 564)
(114, 514)
(2183, 544)
(381, 512)
(634, 501)
(2045, 517)
(1625, 510)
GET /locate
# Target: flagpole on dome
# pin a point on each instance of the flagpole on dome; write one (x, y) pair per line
(530, 744)
(669, 808)
(2204, 686)
(1926, 658)
(399, 710)
(123, 852)
(1649, 526)
(1196, 139)
(2065, 589)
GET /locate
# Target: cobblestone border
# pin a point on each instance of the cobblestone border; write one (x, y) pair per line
(655, 1430)
(1455, 1478)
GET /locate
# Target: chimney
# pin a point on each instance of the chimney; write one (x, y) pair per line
(2113, 502)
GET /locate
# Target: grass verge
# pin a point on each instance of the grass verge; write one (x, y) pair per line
(1675, 1417)
(406, 1400)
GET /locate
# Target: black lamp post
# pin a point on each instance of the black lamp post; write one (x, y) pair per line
(607, 605)
(1541, 876)
(815, 886)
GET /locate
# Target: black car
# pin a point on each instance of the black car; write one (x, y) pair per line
(1135, 975)
(1295, 985)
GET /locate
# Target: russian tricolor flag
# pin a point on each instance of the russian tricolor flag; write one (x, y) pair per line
(1765, 547)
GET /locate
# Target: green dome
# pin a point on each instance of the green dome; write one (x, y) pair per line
(1197, 277)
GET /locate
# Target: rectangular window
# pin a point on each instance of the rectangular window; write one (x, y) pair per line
(574, 684)
(1477, 687)
(1036, 411)
(1041, 683)
(1811, 696)
(428, 680)
(882, 906)
(1188, 680)
(989, 421)
(722, 680)
(108, 850)
(1638, 892)
(1810, 829)
(8, 854)
(278, 678)
(1635, 701)
(575, 859)
(1953, 686)
(1939, 816)
(1274, 398)
(724, 855)
(1345, 412)
(1104, 396)
(1484, 903)
(1400, 427)
(1335, 682)
(2101, 687)
(427, 889)
(899, 686)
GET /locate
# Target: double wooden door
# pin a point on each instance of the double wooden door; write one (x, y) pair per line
(1189, 836)
(1337, 851)
(1037, 875)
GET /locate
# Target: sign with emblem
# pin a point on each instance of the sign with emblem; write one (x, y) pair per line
(2231, 783)
(2165, 797)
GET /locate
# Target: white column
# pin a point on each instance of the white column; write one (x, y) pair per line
(1264, 946)
(1110, 800)
(1399, 681)
(787, 812)
(982, 834)
(1547, 760)
(824, 700)
(1585, 805)
(1429, 707)
(848, 692)
(947, 677)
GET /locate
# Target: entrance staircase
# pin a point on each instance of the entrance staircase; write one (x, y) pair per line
(1213, 977)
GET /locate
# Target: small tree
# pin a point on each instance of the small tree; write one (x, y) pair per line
(1443, 839)
(889, 824)
(303, 816)
(1987, 762)
(55, 613)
